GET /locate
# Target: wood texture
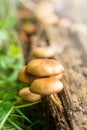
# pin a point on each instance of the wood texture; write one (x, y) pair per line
(73, 57)
(71, 50)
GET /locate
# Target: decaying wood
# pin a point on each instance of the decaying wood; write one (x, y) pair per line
(71, 51)
(73, 57)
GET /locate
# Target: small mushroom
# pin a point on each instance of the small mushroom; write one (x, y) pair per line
(44, 67)
(48, 86)
(29, 28)
(28, 96)
(45, 13)
(24, 77)
(23, 14)
(43, 52)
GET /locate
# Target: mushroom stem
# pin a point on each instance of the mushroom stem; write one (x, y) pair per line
(57, 101)
(57, 98)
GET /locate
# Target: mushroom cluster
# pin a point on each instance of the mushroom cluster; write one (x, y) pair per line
(43, 77)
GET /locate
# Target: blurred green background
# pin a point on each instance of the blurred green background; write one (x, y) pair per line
(11, 61)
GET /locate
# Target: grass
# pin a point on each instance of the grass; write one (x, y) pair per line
(11, 61)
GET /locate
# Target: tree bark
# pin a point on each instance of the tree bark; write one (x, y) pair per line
(71, 51)
(73, 57)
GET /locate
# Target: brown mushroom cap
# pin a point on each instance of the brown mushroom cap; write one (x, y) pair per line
(23, 14)
(43, 52)
(44, 67)
(46, 86)
(59, 76)
(29, 28)
(24, 77)
(28, 95)
(45, 13)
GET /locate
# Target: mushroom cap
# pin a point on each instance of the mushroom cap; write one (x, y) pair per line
(59, 76)
(44, 10)
(44, 67)
(43, 52)
(23, 14)
(46, 86)
(28, 95)
(24, 77)
(29, 28)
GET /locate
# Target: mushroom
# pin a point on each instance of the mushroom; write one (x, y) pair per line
(59, 76)
(44, 78)
(43, 52)
(48, 86)
(44, 67)
(24, 77)
(45, 13)
(28, 96)
(29, 28)
(24, 14)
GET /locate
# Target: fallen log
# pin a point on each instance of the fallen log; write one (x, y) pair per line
(73, 57)
(70, 48)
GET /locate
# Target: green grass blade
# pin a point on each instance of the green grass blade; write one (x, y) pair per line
(5, 118)
(15, 125)
(23, 116)
(27, 105)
